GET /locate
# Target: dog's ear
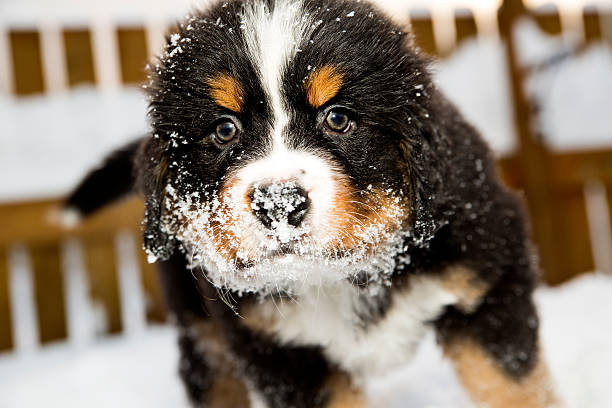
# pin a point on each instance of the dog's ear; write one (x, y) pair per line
(425, 146)
(151, 172)
(110, 182)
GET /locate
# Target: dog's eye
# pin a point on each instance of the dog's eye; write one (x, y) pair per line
(226, 132)
(338, 121)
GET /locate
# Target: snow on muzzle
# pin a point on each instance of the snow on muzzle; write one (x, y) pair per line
(288, 204)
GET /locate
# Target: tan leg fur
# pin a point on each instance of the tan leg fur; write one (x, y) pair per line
(490, 387)
(343, 394)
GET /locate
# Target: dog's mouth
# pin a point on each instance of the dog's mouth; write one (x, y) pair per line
(270, 255)
(299, 248)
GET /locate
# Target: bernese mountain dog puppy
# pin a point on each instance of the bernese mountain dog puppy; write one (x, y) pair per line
(315, 204)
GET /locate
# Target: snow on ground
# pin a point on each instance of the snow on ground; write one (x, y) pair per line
(115, 372)
(140, 371)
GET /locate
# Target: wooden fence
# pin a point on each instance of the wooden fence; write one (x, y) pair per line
(567, 193)
(27, 232)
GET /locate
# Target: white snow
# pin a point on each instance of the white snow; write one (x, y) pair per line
(475, 79)
(140, 370)
(576, 101)
(574, 94)
(137, 371)
(47, 143)
(79, 12)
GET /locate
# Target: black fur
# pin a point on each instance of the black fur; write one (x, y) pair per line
(409, 138)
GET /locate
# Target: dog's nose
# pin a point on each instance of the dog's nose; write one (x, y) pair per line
(279, 203)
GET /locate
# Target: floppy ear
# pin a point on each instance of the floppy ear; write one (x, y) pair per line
(425, 149)
(110, 182)
(151, 171)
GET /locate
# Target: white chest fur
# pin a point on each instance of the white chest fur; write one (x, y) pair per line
(329, 317)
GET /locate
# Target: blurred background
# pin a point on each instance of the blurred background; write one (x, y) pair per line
(534, 76)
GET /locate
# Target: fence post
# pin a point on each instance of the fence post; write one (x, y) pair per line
(6, 325)
(534, 156)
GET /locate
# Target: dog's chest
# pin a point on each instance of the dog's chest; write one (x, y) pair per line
(339, 320)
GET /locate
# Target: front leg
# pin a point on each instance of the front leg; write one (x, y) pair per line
(343, 393)
(208, 372)
(281, 376)
(489, 385)
(338, 391)
(206, 368)
(495, 351)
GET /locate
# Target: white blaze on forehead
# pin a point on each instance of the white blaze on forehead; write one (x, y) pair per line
(273, 36)
(272, 41)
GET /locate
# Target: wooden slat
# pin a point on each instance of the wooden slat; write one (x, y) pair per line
(101, 264)
(31, 221)
(133, 54)
(573, 241)
(422, 27)
(534, 157)
(573, 170)
(27, 62)
(156, 312)
(605, 19)
(49, 292)
(6, 326)
(79, 57)
(511, 173)
(465, 25)
(592, 27)
(609, 199)
(549, 21)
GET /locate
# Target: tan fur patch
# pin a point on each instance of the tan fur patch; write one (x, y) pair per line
(465, 284)
(226, 92)
(254, 317)
(490, 387)
(322, 85)
(353, 215)
(228, 390)
(224, 238)
(211, 340)
(343, 394)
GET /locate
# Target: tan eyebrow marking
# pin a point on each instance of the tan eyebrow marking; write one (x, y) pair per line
(322, 85)
(226, 91)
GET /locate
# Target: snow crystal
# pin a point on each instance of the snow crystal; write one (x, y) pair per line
(174, 39)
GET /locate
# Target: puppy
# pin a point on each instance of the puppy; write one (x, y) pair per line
(315, 204)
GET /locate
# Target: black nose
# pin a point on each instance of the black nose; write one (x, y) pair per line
(279, 203)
